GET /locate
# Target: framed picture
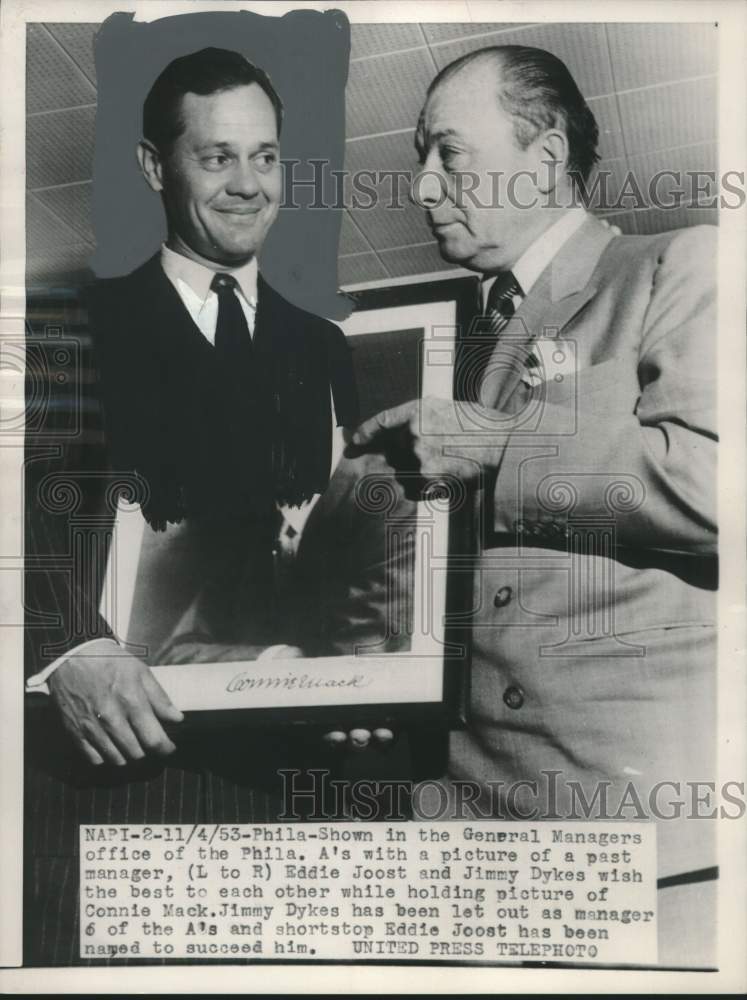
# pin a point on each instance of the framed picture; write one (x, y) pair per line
(410, 660)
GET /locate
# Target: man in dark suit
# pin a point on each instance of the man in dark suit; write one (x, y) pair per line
(218, 399)
(216, 391)
(588, 437)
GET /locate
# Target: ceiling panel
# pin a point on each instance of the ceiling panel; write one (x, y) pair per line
(58, 267)
(374, 39)
(387, 93)
(685, 161)
(43, 228)
(606, 112)
(59, 147)
(52, 78)
(72, 205)
(582, 47)
(393, 227)
(674, 114)
(384, 152)
(657, 220)
(77, 40)
(393, 220)
(436, 33)
(643, 54)
(361, 267)
(604, 186)
(626, 185)
(415, 260)
(351, 240)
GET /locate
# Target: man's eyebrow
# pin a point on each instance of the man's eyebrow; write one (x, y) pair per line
(224, 144)
(442, 133)
(425, 140)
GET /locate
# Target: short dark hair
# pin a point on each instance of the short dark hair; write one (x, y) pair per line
(537, 90)
(208, 71)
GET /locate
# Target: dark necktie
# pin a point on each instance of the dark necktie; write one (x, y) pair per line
(241, 445)
(233, 341)
(477, 348)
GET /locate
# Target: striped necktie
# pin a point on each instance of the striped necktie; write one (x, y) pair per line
(474, 353)
(499, 307)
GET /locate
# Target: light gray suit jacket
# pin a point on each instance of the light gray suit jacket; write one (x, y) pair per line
(593, 628)
(593, 619)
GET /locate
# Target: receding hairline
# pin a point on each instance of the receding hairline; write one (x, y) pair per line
(535, 88)
(494, 58)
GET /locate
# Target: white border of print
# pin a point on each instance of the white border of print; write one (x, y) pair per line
(732, 18)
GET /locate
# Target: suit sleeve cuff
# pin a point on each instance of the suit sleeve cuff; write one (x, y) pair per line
(37, 684)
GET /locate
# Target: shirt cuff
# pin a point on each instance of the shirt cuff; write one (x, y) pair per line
(37, 684)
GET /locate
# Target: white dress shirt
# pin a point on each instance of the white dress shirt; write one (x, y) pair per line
(527, 270)
(192, 281)
(538, 255)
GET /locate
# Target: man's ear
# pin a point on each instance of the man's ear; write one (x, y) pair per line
(553, 154)
(151, 164)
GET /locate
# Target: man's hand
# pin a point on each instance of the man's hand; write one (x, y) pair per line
(434, 438)
(112, 706)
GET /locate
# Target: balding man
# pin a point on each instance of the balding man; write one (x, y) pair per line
(588, 435)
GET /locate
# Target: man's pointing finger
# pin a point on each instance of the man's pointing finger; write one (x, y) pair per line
(397, 416)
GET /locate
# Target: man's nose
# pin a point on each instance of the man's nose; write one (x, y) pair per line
(243, 181)
(428, 189)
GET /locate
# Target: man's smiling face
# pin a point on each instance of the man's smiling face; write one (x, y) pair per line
(221, 181)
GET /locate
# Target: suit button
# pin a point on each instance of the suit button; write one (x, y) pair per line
(513, 696)
(502, 597)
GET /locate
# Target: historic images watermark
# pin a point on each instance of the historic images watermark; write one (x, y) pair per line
(552, 797)
(311, 184)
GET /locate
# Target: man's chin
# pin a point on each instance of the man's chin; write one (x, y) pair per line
(453, 252)
(235, 245)
(233, 255)
(237, 257)
(223, 254)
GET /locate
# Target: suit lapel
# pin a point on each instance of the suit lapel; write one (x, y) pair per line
(169, 326)
(561, 291)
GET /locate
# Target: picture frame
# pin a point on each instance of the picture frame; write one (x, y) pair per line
(403, 339)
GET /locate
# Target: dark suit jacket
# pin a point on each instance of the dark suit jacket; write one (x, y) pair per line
(156, 380)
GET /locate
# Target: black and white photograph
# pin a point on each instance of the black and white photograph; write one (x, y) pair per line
(373, 484)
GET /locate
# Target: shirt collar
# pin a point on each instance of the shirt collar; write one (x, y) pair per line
(198, 276)
(536, 257)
